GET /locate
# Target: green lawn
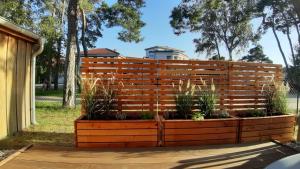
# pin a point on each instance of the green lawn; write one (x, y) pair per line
(51, 92)
(41, 92)
(55, 127)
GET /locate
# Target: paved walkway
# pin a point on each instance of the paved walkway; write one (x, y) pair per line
(222, 156)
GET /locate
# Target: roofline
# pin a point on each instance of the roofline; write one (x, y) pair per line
(7, 24)
(102, 48)
(165, 47)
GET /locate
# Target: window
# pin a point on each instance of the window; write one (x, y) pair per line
(175, 57)
(169, 57)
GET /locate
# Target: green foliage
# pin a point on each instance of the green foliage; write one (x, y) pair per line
(127, 15)
(198, 116)
(207, 98)
(184, 99)
(254, 113)
(216, 57)
(256, 54)
(218, 21)
(19, 12)
(146, 115)
(276, 98)
(99, 98)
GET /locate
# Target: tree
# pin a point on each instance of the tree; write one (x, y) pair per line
(217, 21)
(279, 15)
(124, 13)
(217, 57)
(19, 12)
(69, 80)
(256, 54)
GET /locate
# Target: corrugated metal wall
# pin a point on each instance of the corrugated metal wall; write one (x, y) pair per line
(15, 79)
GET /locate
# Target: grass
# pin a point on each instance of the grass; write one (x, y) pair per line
(55, 127)
(51, 92)
(56, 93)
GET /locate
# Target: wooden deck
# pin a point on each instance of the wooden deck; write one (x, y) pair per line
(244, 156)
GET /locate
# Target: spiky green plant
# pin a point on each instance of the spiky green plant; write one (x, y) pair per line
(184, 99)
(275, 94)
(207, 98)
(99, 97)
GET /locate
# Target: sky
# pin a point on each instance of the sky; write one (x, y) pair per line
(158, 31)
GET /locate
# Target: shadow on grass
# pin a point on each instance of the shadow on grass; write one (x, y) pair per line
(40, 138)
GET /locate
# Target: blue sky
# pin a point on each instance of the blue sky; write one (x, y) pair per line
(159, 32)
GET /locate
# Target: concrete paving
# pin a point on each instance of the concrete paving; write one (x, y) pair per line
(244, 156)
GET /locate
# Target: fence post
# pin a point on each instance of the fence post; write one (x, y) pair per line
(228, 92)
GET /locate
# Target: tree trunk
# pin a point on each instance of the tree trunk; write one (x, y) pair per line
(230, 54)
(59, 46)
(83, 30)
(280, 48)
(218, 50)
(57, 64)
(291, 45)
(78, 77)
(69, 76)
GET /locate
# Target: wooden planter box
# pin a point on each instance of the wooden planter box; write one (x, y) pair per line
(190, 132)
(115, 133)
(280, 128)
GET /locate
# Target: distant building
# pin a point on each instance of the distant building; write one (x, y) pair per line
(165, 53)
(101, 52)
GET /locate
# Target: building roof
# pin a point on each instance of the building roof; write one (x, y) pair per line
(15, 30)
(167, 48)
(101, 52)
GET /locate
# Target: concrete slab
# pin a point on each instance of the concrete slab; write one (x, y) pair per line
(219, 156)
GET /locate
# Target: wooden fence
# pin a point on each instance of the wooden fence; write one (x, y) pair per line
(148, 84)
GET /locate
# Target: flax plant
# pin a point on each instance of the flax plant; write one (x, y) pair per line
(184, 99)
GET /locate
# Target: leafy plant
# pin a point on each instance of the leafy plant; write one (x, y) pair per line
(254, 113)
(198, 116)
(146, 115)
(207, 98)
(184, 99)
(275, 96)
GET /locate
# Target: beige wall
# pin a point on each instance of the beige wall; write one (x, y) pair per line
(15, 79)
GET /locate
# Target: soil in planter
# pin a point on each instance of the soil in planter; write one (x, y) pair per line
(112, 116)
(174, 116)
(258, 113)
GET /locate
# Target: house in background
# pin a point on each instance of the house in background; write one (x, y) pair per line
(165, 53)
(102, 52)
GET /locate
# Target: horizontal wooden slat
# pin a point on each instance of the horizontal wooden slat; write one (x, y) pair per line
(118, 145)
(139, 124)
(118, 138)
(199, 142)
(120, 132)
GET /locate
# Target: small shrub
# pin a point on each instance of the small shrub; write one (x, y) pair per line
(207, 98)
(121, 116)
(198, 116)
(184, 99)
(276, 98)
(146, 116)
(254, 113)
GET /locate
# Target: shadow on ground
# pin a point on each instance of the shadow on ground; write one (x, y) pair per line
(39, 138)
(252, 159)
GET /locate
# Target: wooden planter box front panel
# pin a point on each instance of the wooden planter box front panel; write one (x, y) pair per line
(127, 133)
(189, 132)
(279, 128)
